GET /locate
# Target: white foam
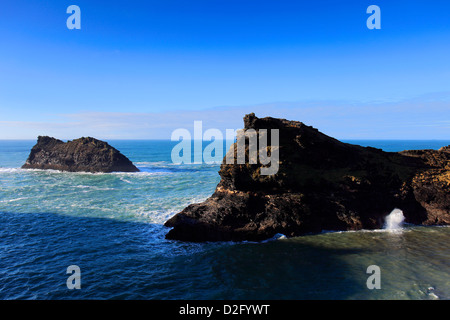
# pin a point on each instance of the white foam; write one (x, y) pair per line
(10, 170)
(150, 163)
(125, 180)
(52, 171)
(431, 294)
(93, 188)
(13, 200)
(394, 220)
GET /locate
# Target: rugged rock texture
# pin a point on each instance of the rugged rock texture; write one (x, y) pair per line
(322, 184)
(80, 155)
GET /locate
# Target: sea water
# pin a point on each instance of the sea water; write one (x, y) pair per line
(111, 226)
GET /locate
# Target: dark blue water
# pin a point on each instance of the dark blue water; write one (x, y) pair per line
(111, 226)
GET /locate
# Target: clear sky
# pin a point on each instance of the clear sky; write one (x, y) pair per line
(139, 69)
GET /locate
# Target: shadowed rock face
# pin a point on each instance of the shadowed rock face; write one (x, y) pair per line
(80, 155)
(322, 184)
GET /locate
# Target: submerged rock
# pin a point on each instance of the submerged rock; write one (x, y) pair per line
(80, 155)
(322, 184)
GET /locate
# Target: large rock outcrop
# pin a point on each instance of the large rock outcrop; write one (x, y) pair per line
(322, 184)
(80, 155)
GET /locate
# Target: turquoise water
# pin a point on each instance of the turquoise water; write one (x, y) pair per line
(111, 226)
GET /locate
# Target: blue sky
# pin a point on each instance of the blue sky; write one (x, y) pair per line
(139, 69)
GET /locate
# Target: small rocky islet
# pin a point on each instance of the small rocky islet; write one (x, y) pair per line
(85, 154)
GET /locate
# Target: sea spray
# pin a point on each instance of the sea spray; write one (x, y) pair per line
(394, 220)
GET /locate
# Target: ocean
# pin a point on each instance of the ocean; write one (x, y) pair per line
(111, 227)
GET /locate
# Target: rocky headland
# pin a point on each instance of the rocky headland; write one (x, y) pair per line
(322, 184)
(80, 155)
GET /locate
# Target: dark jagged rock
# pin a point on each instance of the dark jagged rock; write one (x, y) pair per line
(80, 155)
(322, 184)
